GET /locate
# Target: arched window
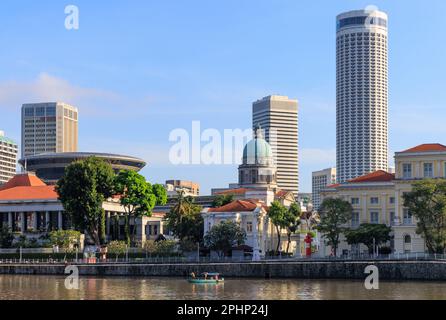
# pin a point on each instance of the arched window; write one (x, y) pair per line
(407, 239)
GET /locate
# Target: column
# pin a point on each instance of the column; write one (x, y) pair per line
(364, 218)
(59, 220)
(35, 214)
(10, 220)
(384, 208)
(22, 222)
(47, 220)
(397, 208)
(108, 217)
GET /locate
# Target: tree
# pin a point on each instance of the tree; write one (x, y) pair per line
(278, 215)
(160, 193)
(369, 234)
(222, 200)
(223, 236)
(117, 248)
(292, 221)
(82, 190)
(137, 198)
(65, 239)
(335, 213)
(185, 220)
(427, 203)
(6, 237)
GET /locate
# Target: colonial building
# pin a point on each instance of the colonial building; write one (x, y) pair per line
(378, 197)
(30, 207)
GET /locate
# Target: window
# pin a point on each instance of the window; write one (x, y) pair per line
(407, 216)
(392, 200)
(428, 170)
(392, 218)
(355, 219)
(407, 171)
(374, 200)
(407, 239)
(374, 217)
(249, 227)
(355, 201)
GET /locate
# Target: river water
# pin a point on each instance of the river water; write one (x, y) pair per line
(32, 287)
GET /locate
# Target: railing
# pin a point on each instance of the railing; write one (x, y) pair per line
(246, 259)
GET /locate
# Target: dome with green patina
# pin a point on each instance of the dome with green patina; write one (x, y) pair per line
(258, 150)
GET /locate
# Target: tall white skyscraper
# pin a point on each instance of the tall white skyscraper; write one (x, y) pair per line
(8, 158)
(320, 180)
(362, 93)
(49, 127)
(278, 117)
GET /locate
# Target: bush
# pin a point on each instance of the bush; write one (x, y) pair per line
(117, 248)
(6, 237)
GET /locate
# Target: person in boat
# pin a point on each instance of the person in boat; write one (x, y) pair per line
(205, 275)
(192, 275)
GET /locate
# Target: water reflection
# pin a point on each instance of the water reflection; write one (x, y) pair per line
(33, 287)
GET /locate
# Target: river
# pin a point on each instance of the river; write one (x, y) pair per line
(32, 287)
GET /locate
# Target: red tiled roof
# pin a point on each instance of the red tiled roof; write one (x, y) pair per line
(239, 205)
(233, 191)
(333, 185)
(281, 193)
(427, 147)
(377, 176)
(27, 187)
(23, 180)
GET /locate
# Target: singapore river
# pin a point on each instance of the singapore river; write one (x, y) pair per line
(13, 287)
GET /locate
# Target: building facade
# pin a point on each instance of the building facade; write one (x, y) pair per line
(48, 128)
(378, 197)
(320, 180)
(189, 187)
(278, 117)
(361, 93)
(8, 158)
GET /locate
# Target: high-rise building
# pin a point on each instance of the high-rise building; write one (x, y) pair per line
(191, 188)
(362, 93)
(320, 180)
(278, 117)
(48, 128)
(8, 158)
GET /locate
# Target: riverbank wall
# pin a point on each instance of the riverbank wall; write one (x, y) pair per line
(388, 270)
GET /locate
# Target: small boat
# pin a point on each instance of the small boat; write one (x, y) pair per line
(206, 277)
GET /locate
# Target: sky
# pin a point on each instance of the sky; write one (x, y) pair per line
(137, 70)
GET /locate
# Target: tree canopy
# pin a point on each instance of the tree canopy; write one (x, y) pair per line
(223, 236)
(369, 233)
(427, 203)
(85, 185)
(278, 216)
(335, 213)
(222, 199)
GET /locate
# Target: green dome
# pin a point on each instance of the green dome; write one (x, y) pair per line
(257, 151)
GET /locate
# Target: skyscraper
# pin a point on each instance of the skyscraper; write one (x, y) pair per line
(49, 127)
(320, 180)
(278, 117)
(8, 158)
(362, 93)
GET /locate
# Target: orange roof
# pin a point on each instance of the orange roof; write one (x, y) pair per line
(377, 176)
(281, 193)
(333, 185)
(233, 191)
(27, 187)
(427, 147)
(239, 205)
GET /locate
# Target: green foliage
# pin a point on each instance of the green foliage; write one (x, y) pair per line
(366, 232)
(86, 184)
(185, 220)
(222, 200)
(223, 236)
(187, 245)
(335, 213)
(65, 239)
(278, 215)
(6, 237)
(292, 221)
(160, 248)
(117, 248)
(136, 197)
(102, 228)
(160, 193)
(427, 203)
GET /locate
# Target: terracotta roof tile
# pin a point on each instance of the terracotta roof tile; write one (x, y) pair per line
(377, 176)
(27, 187)
(239, 205)
(427, 147)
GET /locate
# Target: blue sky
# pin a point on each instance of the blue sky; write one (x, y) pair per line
(139, 69)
